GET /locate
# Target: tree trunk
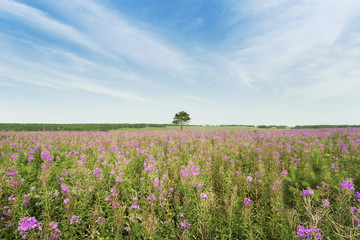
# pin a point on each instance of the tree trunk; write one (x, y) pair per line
(181, 124)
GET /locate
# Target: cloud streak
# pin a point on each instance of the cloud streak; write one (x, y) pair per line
(298, 45)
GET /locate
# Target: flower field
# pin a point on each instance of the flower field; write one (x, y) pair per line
(239, 184)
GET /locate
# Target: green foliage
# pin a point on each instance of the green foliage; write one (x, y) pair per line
(324, 126)
(75, 127)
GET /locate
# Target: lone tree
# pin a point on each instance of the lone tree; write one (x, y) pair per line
(181, 118)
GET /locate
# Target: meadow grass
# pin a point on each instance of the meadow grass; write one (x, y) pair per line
(169, 184)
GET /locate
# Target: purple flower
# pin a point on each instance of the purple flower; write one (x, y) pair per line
(64, 172)
(308, 232)
(326, 203)
(28, 224)
(55, 232)
(354, 209)
(98, 173)
(203, 196)
(12, 173)
(357, 195)
(185, 224)
(133, 206)
(100, 220)
(75, 219)
(12, 198)
(345, 148)
(249, 179)
(347, 185)
(65, 189)
(53, 225)
(307, 192)
(26, 199)
(127, 229)
(45, 155)
(247, 201)
(30, 158)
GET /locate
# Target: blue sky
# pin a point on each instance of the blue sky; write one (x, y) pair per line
(222, 61)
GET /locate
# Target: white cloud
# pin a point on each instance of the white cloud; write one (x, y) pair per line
(40, 75)
(40, 21)
(124, 41)
(299, 44)
(123, 53)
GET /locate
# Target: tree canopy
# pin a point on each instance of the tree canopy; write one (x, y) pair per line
(181, 118)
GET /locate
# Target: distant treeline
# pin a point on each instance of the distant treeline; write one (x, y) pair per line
(236, 125)
(325, 126)
(296, 127)
(74, 127)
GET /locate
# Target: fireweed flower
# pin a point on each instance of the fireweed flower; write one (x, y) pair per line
(45, 156)
(247, 201)
(326, 203)
(6, 211)
(54, 235)
(54, 231)
(27, 224)
(98, 173)
(203, 196)
(249, 179)
(12, 173)
(190, 170)
(285, 172)
(26, 199)
(307, 192)
(308, 232)
(134, 206)
(345, 148)
(357, 195)
(100, 220)
(12, 198)
(64, 172)
(65, 189)
(30, 158)
(75, 219)
(53, 225)
(347, 185)
(185, 224)
(354, 209)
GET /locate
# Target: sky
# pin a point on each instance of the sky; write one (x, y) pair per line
(272, 62)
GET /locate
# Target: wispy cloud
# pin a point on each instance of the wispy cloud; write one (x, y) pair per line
(40, 21)
(122, 51)
(296, 46)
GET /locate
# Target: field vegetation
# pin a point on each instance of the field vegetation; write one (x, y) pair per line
(191, 184)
